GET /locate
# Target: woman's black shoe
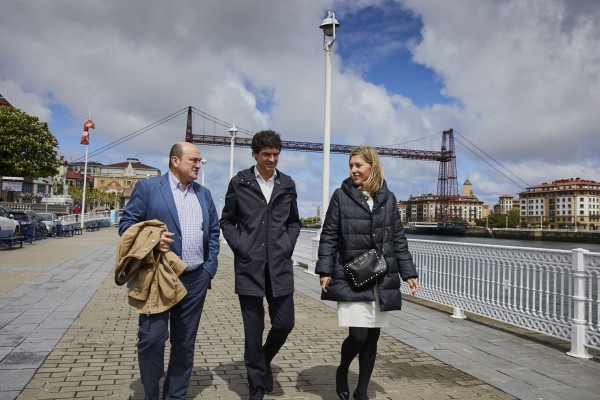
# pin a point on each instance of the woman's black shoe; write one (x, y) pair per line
(341, 385)
(357, 396)
(343, 395)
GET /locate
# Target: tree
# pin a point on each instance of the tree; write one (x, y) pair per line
(76, 194)
(500, 220)
(27, 147)
(94, 198)
(513, 218)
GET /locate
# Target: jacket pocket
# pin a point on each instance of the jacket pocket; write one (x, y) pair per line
(285, 244)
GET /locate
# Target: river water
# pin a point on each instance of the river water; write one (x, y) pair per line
(544, 244)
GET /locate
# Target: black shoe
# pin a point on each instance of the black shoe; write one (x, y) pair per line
(269, 380)
(343, 395)
(357, 396)
(341, 385)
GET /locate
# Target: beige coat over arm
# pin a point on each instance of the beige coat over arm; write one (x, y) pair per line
(154, 275)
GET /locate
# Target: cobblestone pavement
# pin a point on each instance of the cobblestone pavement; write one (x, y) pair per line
(95, 355)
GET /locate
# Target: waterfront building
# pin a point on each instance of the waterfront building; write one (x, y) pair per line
(4, 102)
(75, 179)
(421, 208)
(93, 167)
(123, 175)
(572, 203)
(506, 202)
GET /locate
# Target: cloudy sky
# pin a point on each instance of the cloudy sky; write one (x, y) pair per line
(518, 81)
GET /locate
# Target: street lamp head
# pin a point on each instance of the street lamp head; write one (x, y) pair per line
(329, 25)
(233, 130)
(203, 162)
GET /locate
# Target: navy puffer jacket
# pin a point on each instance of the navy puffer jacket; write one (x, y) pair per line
(349, 230)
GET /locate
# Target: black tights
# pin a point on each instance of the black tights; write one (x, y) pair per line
(361, 341)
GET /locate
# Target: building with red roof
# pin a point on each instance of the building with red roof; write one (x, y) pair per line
(572, 203)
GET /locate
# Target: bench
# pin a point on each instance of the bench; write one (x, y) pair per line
(7, 239)
(92, 226)
(70, 230)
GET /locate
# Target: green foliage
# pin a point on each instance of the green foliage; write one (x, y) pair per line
(311, 222)
(76, 194)
(94, 198)
(513, 218)
(27, 147)
(500, 220)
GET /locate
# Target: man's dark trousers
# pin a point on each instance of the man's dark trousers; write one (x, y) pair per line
(153, 333)
(256, 355)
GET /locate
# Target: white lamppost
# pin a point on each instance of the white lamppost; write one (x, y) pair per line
(329, 26)
(232, 131)
(202, 165)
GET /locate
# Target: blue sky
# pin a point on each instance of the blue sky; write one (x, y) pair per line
(519, 79)
(375, 41)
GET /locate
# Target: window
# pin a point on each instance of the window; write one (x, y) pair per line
(27, 187)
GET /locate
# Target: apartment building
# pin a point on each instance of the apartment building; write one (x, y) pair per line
(572, 203)
(422, 207)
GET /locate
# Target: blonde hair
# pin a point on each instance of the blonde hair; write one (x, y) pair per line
(375, 181)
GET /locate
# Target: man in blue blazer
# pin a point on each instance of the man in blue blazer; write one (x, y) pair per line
(189, 212)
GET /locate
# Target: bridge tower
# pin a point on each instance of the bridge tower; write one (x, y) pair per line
(189, 137)
(448, 197)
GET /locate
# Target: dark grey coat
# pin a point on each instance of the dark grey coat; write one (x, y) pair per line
(259, 232)
(349, 230)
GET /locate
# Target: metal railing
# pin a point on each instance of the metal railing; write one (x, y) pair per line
(554, 292)
(100, 217)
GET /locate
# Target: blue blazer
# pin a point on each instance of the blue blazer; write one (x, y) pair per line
(153, 199)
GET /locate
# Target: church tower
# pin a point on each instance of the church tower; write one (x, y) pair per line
(468, 189)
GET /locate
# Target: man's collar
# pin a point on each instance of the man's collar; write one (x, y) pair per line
(258, 175)
(175, 183)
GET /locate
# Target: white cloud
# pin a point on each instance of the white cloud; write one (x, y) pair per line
(527, 82)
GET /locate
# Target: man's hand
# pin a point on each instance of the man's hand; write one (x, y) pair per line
(165, 241)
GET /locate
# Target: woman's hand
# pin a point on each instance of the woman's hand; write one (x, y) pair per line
(325, 282)
(413, 284)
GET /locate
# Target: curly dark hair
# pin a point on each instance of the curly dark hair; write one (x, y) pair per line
(266, 138)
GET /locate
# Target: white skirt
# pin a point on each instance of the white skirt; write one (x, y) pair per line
(363, 314)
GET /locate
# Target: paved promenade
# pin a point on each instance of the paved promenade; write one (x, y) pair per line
(66, 331)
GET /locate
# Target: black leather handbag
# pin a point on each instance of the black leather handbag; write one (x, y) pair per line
(366, 268)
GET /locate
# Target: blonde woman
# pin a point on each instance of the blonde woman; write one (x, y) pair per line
(362, 215)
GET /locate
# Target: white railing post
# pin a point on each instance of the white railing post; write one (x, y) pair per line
(314, 254)
(458, 313)
(578, 348)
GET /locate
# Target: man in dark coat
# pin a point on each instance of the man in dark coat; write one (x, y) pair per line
(261, 224)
